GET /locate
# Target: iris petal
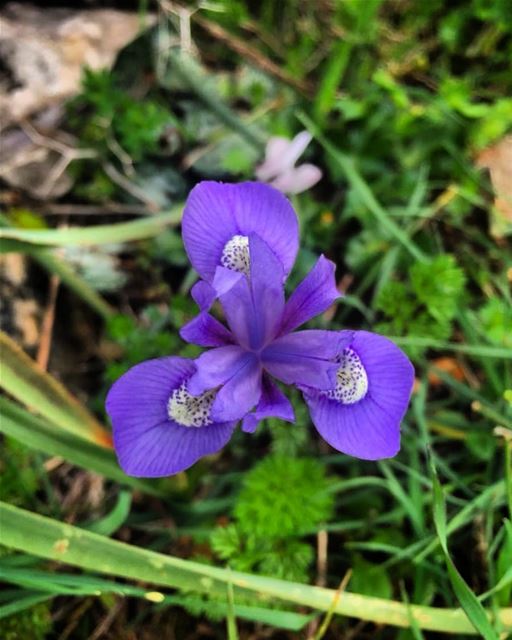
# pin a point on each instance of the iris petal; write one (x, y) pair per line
(240, 394)
(273, 404)
(305, 358)
(370, 428)
(313, 296)
(147, 443)
(215, 367)
(217, 212)
(205, 331)
(254, 306)
(203, 295)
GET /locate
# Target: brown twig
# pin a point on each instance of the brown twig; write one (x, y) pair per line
(105, 624)
(45, 341)
(68, 154)
(131, 188)
(75, 618)
(321, 572)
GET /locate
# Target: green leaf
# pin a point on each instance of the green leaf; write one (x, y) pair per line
(370, 579)
(33, 387)
(71, 545)
(38, 434)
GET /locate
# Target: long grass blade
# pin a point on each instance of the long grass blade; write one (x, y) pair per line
(77, 547)
(148, 227)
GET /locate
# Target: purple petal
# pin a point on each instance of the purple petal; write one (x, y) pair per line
(217, 366)
(264, 211)
(305, 358)
(362, 430)
(208, 224)
(254, 307)
(205, 331)
(390, 372)
(313, 296)
(297, 179)
(273, 404)
(224, 280)
(203, 295)
(217, 212)
(240, 394)
(370, 428)
(147, 443)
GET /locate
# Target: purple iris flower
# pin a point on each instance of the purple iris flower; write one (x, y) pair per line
(242, 240)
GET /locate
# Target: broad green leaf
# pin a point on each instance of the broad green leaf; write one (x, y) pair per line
(100, 234)
(38, 390)
(71, 545)
(38, 434)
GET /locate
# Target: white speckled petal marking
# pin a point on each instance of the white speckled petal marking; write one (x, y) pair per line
(188, 410)
(351, 379)
(235, 255)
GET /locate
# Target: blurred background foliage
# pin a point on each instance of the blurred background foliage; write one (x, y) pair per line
(407, 102)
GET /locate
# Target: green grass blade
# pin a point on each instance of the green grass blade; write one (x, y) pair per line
(99, 234)
(77, 547)
(55, 265)
(40, 435)
(468, 601)
(230, 617)
(482, 351)
(21, 604)
(38, 390)
(69, 277)
(110, 523)
(53, 584)
(359, 185)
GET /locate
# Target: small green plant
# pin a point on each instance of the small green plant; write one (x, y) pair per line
(281, 500)
(34, 623)
(427, 303)
(136, 125)
(151, 338)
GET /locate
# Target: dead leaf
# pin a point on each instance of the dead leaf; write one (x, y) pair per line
(447, 365)
(498, 159)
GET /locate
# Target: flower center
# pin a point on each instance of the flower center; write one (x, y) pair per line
(188, 410)
(235, 255)
(351, 379)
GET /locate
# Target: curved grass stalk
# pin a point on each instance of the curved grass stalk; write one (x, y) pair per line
(47, 538)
